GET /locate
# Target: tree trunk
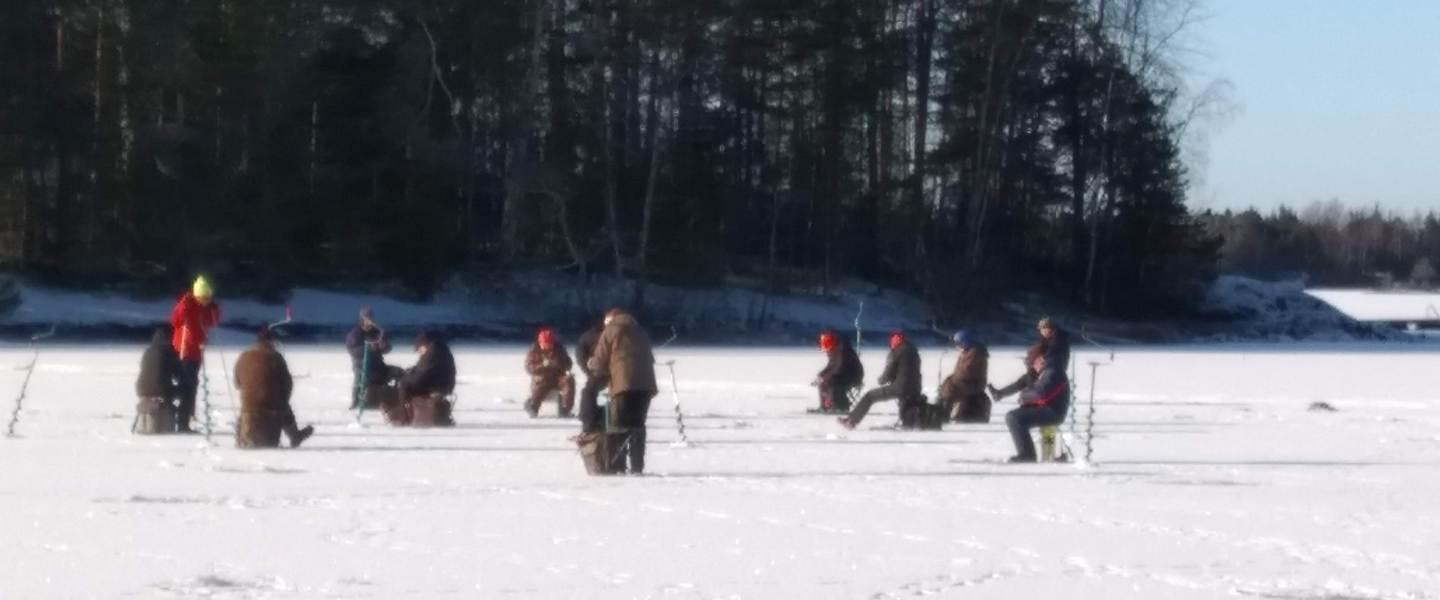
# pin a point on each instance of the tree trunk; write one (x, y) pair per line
(517, 185)
(642, 255)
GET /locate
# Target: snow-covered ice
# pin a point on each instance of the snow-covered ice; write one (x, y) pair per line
(1210, 479)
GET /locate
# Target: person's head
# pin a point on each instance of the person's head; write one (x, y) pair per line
(1046, 327)
(612, 314)
(202, 291)
(828, 341)
(1032, 353)
(367, 318)
(897, 338)
(1038, 363)
(425, 340)
(546, 339)
(963, 339)
(162, 334)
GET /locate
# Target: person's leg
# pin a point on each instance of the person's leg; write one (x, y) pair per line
(292, 429)
(189, 386)
(357, 391)
(1020, 421)
(567, 397)
(862, 407)
(591, 421)
(619, 434)
(827, 397)
(538, 391)
(639, 411)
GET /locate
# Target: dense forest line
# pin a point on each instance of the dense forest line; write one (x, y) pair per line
(1331, 245)
(959, 149)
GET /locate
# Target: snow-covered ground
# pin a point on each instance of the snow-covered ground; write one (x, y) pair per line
(1210, 479)
(1374, 305)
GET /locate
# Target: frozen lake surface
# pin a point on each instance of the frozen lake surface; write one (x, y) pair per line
(1210, 479)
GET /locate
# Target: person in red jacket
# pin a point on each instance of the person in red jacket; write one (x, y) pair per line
(193, 316)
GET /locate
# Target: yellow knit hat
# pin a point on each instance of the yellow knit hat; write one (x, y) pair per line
(201, 288)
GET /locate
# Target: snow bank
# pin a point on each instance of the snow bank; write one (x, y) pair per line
(1283, 311)
(506, 309)
(1375, 305)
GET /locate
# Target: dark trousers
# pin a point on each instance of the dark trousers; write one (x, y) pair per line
(1022, 419)
(189, 378)
(592, 420)
(626, 428)
(968, 408)
(886, 392)
(836, 397)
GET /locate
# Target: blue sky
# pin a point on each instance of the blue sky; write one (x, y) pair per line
(1337, 98)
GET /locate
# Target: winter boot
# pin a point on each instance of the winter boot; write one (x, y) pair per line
(302, 435)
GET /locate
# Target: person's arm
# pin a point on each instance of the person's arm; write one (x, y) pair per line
(892, 364)
(600, 359)
(534, 363)
(382, 344)
(832, 369)
(563, 366)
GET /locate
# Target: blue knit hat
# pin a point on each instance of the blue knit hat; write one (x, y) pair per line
(963, 338)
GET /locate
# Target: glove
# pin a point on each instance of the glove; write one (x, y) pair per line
(994, 393)
(545, 363)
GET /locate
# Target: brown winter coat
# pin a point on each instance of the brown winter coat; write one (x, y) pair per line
(543, 375)
(265, 385)
(623, 354)
(971, 372)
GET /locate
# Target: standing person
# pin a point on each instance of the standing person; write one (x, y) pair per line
(155, 387)
(265, 385)
(842, 373)
(424, 386)
(1056, 342)
(1044, 403)
(962, 394)
(900, 381)
(623, 353)
(591, 421)
(193, 316)
(367, 343)
(549, 367)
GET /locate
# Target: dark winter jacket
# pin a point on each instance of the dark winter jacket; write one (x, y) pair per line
(263, 379)
(623, 356)
(971, 372)
(192, 321)
(902, 369)
(159, 368)
(547, 367)
(585, 348)
(355, 343)
(1057, 349)
(434, 373)
(844, 370)
(1050, 389)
